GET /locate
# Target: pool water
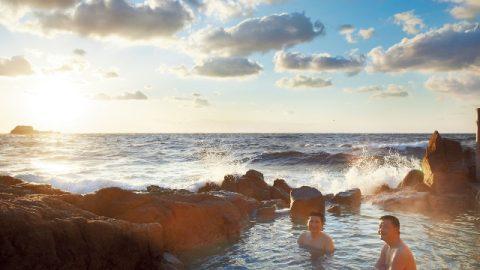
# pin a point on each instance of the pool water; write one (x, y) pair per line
(447, 242)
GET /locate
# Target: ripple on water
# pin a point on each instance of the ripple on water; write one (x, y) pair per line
(436, 244)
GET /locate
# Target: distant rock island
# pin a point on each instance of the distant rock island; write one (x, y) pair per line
(28, 130)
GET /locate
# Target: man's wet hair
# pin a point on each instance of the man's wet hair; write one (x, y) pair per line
(318, 214)
(394, 220)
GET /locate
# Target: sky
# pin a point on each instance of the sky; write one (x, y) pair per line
(108, 66)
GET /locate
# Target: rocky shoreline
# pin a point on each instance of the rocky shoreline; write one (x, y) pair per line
(45, 228)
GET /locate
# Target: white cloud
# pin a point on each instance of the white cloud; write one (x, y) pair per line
(110, 74)
(366, 33)
(227, 9)
(347, 31)
(257, 35)
(138, 95)
(464, 85)
(452, 47)
(217, 67)
(410, 23)
(465, 9)
(39, 4)
(196, 100)
(380, 92)
(102, 18)
(15, 66)
(79, 52)
(225, 67)
(302, 81)
(294, 61)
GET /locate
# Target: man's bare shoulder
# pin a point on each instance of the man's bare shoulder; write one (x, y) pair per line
(303, 237)
(403, 257)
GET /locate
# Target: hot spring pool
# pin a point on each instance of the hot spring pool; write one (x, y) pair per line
(448, 242)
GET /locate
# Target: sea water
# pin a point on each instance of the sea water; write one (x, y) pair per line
(84, 163)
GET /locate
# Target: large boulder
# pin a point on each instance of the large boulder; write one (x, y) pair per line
(251, 184)
(266, 213)
(276, 193)
(305, 200)
(443, 166)
(23, 130)
(190, 221)
(413, 177)
(282, 185)
(351, 197)
(39, 230)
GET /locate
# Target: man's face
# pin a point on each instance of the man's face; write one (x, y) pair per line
(315, 224)
(386, 229)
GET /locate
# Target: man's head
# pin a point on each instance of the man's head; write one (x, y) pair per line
(315, 222)
(389, 227)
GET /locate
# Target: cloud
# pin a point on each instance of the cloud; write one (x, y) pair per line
(366, 33)
(225, 67)
(79, 52)
(410, 23)
(380, 92)
(364, 89)
(109, 74)
(452, 47)
(227, 9)
(102, 18)
(348, 31)
(294, 61)
(463, 85)
(138, 95)
(257, 35)
(301, 81)
(196, 100)
(218, 67)
(40, 4)
(69, 64)
(15, 66)
(465, 9)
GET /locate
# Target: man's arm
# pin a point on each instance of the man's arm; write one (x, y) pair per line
(380, 265)
(330, 246)
(301, 239)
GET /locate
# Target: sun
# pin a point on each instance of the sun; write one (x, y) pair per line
(56, 104)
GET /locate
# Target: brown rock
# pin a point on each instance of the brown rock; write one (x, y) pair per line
(229, 183)
(328, 197)
(412, 178)
(251, 184)
(209, 186)
(382, 189)
(39, 231)
(190, 221)
(245, 204)
(351, 197)
(334, 209)
(282, 185)
(444, 167)
(276, 193)
(277, 203)
(266, 213)
(422, 187)
(305, 200)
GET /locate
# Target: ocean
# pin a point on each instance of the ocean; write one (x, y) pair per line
(84, 163)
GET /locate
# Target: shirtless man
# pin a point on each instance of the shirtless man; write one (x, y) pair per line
(315, 238)
(395, 254)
